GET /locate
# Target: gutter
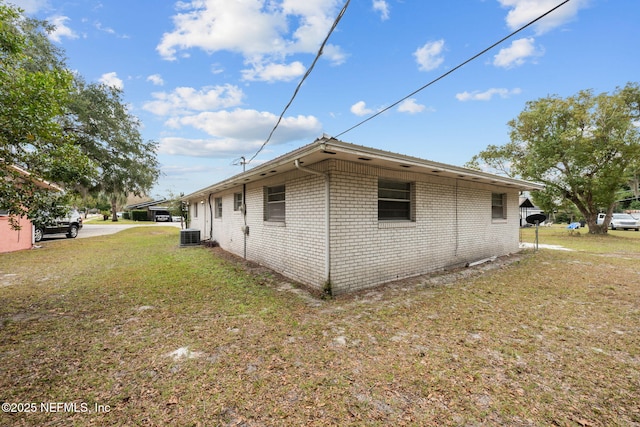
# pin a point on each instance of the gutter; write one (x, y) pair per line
(327, 221)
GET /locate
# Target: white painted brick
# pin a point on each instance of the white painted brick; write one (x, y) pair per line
(364, 253)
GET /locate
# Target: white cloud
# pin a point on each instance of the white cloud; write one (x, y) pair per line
(517, 53)
(217, 68)
(98, 25)
(335, 54)
(261, 33)
(214, 25)
(212, 148)
(61, 30)
(156, 79)
(360, 109)
(249, 125)
(249, 27)
(429, 57)
(185, 100)
(382, 7)
(410, 106)
(107, 30)
(177, 170)
(235, 132)
(274, 72)
(111, 79)
(523, 11)
(32, 6)
(487, 94)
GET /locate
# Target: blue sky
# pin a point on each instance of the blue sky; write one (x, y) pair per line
(209, 78)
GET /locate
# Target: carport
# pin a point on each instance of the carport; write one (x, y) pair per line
(151, 207)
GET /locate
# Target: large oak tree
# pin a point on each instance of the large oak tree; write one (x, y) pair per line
(34, 92)
(582, 148)
(61, 129)
(109, 134)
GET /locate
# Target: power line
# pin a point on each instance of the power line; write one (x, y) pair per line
(453, 69)
(333, 27)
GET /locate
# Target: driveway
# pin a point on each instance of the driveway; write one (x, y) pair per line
(93, 230)
(97, 229)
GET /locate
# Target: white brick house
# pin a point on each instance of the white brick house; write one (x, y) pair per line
(338, 215)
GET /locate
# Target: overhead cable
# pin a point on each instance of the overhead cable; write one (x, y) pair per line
(333, 27)
(453, 69)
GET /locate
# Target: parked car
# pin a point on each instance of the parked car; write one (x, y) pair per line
(70, 225)
(620, 220)
(163, 216)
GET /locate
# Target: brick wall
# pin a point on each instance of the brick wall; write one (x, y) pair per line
(296, 247)
(453, 225)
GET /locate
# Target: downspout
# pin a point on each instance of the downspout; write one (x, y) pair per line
(327, 222)
(457, 223)
(210, 218)
(245, 229)
(244, 215)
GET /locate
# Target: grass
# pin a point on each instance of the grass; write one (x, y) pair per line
(552, 339)
(100, 220)
(615, 241)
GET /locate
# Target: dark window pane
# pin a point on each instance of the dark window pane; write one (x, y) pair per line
(391, 210)
(394, 200)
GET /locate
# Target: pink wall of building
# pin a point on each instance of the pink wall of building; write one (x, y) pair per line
(15, 240)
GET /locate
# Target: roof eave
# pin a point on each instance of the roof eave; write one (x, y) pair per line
(433, 167)
(332, 146)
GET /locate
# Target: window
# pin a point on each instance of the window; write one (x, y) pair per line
(498, 206)
(4, 212)
(218, 205)
(237, 201)
(394, 200)
(195, 210)
(274, 209)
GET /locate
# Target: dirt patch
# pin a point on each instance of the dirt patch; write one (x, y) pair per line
(315, 297)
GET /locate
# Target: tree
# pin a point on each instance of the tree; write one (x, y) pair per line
(61, 129)
(581, 148)
(109, 135)
(177, 207)
(33, 95)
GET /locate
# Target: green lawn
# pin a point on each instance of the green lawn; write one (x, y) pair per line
(100, 220)
(161, 335)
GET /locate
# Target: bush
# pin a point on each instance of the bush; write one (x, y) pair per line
(126, 215)
(139, 216)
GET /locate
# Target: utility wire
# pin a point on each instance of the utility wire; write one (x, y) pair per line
(454, 69)
(333, 27)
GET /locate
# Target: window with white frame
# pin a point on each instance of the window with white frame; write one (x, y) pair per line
(218, 207)
(274, 203)
(237, 201)
(394, 200)
(195, 210)
(498, 206)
